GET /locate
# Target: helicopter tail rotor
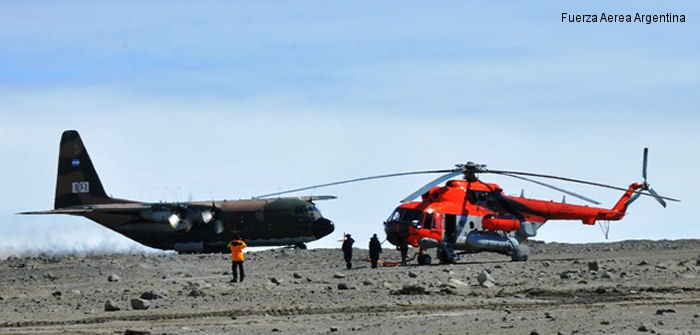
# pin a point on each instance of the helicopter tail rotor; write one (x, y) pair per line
(645, 184)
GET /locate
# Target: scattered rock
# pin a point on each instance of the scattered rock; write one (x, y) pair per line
(140, 304)
(607, 275)
(343, 286)
(642, 328)
(296, 275)
(113, 278)
(50, 276)
(662, 311)
(593, 266)
(412, 274)
(111, 306)
(136, 332)
(487, 284)
(333, 329)
(643, 263)
(456, 283)
(195, 292)
(546, 264)
(566, 275)
(367, 283)
(153, 294)
(411, 290)
(338, 275)
(275, 281)
(485, 279)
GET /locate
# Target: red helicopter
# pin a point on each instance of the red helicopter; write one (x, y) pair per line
(471, 216)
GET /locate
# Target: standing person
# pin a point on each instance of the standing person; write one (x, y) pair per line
(404, 252)
(375, 248)
(237, 245)
(347, 250)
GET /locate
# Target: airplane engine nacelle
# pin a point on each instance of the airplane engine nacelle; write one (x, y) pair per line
(179, 223)
(500, 223)
(200, 216)
(160, 216)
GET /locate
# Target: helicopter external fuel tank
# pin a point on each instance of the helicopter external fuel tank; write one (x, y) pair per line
(504, 223)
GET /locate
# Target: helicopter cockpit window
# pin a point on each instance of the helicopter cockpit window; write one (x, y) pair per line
(395, 216)
(476, 196)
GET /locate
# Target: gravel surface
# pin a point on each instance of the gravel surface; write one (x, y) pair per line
(622, 287)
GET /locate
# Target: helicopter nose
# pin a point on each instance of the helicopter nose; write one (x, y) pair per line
(322, 227)
(396, 232)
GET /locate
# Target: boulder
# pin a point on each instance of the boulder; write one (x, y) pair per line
(113, 278)
(140, 304)
(485, 279)
(111, 306)
(593, 266)
(153, 294)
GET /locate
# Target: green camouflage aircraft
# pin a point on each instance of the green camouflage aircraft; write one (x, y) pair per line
(193, 226)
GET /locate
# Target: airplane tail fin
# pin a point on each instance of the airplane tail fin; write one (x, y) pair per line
(77, 182)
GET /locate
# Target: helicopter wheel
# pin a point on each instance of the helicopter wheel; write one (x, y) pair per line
(520, 254)
(424, 259)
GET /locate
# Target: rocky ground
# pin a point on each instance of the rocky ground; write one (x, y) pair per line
(623, 287)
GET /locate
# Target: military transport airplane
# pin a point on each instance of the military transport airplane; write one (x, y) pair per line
(193, 226)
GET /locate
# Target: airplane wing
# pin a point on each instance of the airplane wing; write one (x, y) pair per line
(101, 208)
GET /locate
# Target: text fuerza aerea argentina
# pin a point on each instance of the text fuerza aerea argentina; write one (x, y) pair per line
(620, 18)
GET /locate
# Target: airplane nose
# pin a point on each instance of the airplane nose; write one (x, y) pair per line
(322, 227)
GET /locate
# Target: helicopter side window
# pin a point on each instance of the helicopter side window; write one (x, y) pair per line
(428, 224)
(415, 217)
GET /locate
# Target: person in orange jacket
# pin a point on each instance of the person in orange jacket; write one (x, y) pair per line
(237, 245)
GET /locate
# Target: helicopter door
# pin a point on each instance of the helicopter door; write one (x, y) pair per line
(450, 228)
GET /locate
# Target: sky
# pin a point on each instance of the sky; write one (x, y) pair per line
(228, 100)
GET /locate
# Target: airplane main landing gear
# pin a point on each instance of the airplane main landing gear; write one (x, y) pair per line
(300, 245)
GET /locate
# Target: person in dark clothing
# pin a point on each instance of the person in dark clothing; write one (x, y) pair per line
(347, 250)
(375, 248)
(404, 252)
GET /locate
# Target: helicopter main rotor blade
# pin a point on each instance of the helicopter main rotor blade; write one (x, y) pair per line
(430, 185)
(571, 180)
(554, 188)
(352, 181)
